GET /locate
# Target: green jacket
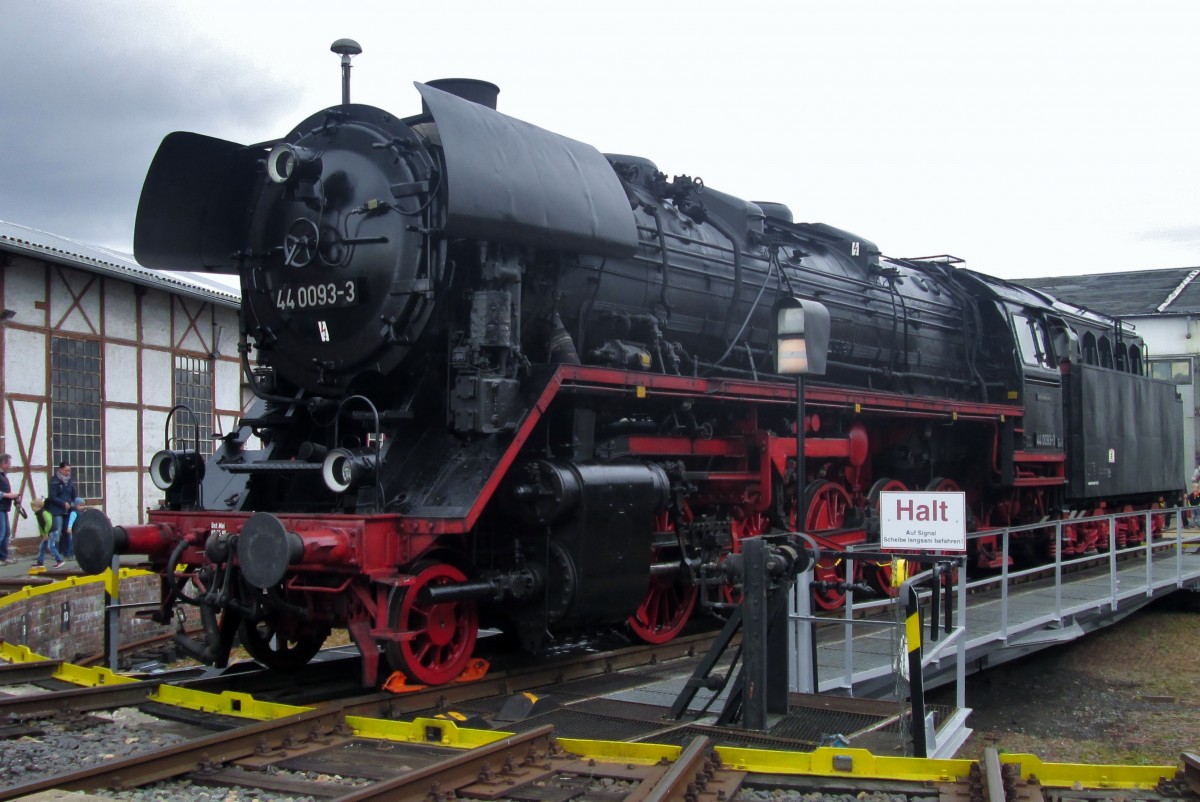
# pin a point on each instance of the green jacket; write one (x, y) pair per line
(45, 522)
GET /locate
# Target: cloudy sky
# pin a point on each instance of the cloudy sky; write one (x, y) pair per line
(1030, 137)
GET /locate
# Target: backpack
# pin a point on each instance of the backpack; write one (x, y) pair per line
(45, 522)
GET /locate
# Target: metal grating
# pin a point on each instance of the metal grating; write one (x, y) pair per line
(941, 713)
(651, 714)
(816, 726)
(571, 723)
(484, 707)
(598, 685)
(375, 760)
(727, 737)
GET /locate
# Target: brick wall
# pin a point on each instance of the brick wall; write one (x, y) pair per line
(68, 623)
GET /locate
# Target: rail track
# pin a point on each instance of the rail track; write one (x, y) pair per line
(527, 766)
(281, 755)
(390, 746)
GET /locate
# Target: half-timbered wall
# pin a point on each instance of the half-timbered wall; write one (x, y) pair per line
(140, 332)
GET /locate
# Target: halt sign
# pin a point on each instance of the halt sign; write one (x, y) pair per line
(923, 521)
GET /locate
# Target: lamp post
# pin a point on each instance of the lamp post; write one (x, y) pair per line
(801, 346)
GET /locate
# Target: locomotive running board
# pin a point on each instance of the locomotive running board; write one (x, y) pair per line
(456, 519)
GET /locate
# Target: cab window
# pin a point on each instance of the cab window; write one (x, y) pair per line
(1032, 342)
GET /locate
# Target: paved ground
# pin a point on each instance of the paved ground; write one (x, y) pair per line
(22, 554)
(23, 550)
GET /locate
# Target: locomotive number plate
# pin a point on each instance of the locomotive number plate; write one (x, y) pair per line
(317, 296)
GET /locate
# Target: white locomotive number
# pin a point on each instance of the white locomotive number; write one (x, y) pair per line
(315, 296)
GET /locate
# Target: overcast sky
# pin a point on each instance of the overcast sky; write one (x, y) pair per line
(1029, 138)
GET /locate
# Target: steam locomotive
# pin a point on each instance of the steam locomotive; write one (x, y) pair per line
(504, 380)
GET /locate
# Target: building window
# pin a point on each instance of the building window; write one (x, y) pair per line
(75, 374)
(194, 387)
(1176, 371)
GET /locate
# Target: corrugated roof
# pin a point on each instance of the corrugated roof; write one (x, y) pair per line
(1137, 293)
(80, 255)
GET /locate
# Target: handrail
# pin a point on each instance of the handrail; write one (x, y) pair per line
(912, 632)
(1158, 563)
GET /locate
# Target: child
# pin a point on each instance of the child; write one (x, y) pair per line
(45, 524)
(67, 543)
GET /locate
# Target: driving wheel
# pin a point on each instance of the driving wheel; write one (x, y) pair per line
(828, 504)
(438, 637)
(670, 599)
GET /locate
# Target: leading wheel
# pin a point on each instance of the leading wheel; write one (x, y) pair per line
(283, 645)
(670, 598)
(439, 638)
(828, 504)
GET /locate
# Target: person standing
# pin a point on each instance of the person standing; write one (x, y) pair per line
(48, 535)
(1193, 500)
(76, 508)
(59, 501)
(7, 496)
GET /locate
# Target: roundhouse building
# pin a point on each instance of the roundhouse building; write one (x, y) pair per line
(96, 351)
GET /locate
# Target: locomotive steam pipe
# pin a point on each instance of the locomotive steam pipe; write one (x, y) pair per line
(521, 584)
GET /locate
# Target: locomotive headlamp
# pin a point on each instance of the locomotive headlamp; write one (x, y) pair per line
(172, 469)
(345, 468)
(286, 162)
(802, 337)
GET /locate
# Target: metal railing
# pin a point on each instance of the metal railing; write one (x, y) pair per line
(1162, 555)
(1137, 570)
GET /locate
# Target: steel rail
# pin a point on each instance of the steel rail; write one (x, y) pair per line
(1191, 771)
(76, 700)
(390, 705)
(495, 764)
(196, 755)
(687, 778)
(993, 775)
(22, 673)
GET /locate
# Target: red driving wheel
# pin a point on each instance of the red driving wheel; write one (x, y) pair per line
(828, 504)
(752, 525)
(669, 600)
(941, 484)
(440, 637)
(881, 576)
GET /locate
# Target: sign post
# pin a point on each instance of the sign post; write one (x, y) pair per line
(923, 521)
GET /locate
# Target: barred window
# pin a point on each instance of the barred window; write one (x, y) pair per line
(194, 387)
(75, 393)
(1177, 371)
